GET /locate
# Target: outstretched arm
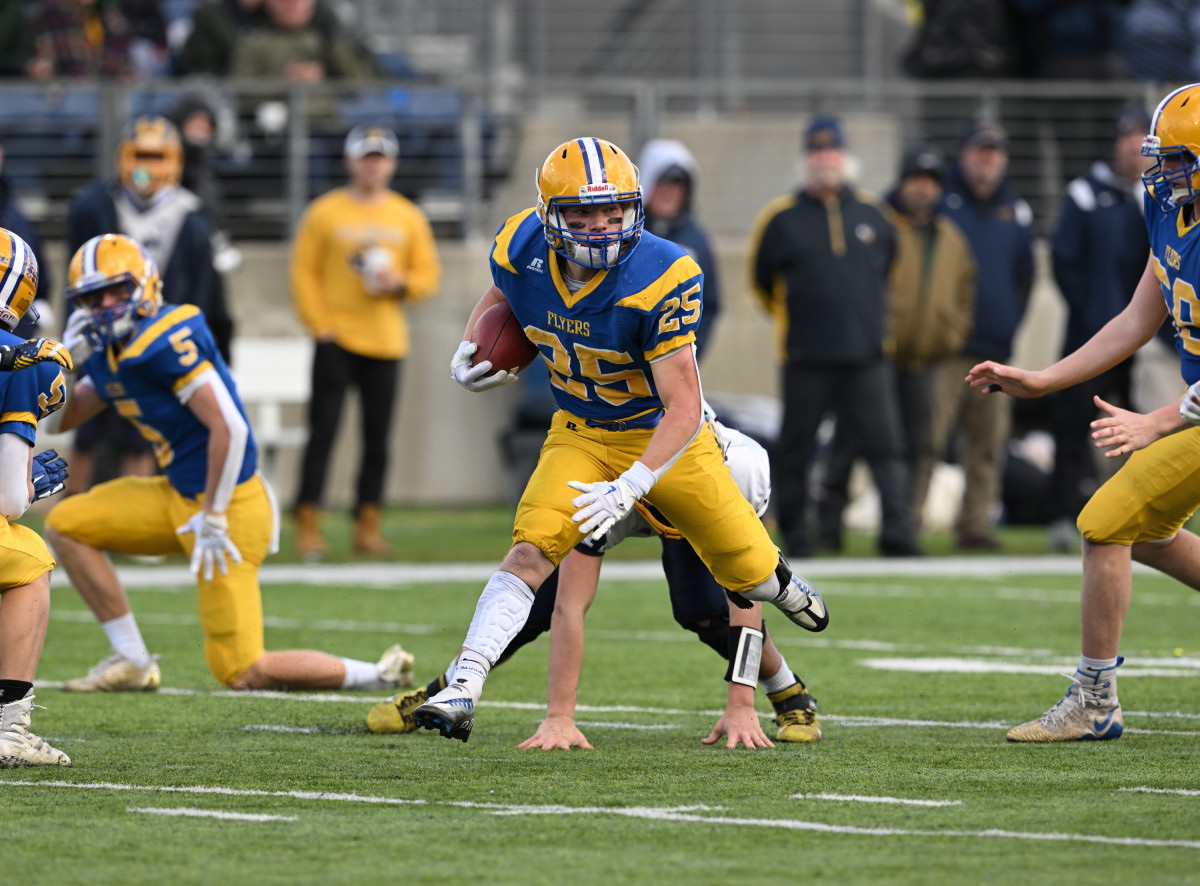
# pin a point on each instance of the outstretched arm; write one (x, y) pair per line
(578, 578)
(740, 723)
(1118, 339)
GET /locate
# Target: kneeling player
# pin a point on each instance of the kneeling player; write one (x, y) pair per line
(158, 365)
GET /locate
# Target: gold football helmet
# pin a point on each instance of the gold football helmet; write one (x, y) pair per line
(18, 280)
(1174, 135)
(105, 261)
(590, 170)
(150, 156)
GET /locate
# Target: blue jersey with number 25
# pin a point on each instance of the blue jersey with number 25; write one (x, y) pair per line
(599, 342)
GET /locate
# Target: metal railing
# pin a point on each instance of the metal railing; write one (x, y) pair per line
(280, 145)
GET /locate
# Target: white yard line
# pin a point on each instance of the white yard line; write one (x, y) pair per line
(213, 813)
(696, 815)
(1167, 667)
(639, 727)
(176, 574)
(855, 798)
(1183, 792)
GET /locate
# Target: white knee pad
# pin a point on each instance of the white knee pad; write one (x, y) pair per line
(501, 612)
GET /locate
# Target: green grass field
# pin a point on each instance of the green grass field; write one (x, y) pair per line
(923, 666)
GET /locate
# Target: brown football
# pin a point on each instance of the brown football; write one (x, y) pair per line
(500, 339)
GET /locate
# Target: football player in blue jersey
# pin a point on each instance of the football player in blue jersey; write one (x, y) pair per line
(158, 365)
(613, 310)
(699, 605)
(26, 397)
(1140, 512)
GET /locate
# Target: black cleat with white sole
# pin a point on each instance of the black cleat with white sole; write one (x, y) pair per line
(449, 712)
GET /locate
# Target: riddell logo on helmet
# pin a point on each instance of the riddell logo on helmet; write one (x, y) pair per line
(592, 190)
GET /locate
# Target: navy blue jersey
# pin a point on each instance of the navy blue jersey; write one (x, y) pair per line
(164, 354)
(1177, 265)
(599, 342)
(29, 395)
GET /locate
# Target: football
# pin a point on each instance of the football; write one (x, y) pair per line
(500, 339)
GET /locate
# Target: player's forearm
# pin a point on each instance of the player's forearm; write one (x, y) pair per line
(679, 426)
(578, 579)
(228, 434)
(1118, 339)
(566, 662)
(83, 402)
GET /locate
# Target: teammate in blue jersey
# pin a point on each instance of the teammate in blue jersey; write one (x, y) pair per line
(158, 365)
(613, 310)
(32, 386)
(1140, 512)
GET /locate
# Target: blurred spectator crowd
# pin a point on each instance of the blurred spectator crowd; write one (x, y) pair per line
(299, 40)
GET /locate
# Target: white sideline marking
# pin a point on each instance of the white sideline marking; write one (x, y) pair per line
(1180, 715)
(270, 621)
(645, 727)
(855, 798)
(213, 813)
(224, 792)
(839, 719)
(266, 727)
(1184, 792)
(685, 814)
(936, 665)
(439, 574)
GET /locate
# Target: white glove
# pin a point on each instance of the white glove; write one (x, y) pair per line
(1189, 406)
(475, 378)
(76, 337)
(212, 543)
(603, 504)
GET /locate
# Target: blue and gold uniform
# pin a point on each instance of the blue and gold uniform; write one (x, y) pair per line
(1158, 489)
(599, 343)
(26, 397)
(164, 357)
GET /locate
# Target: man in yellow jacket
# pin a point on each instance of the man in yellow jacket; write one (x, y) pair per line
(361, 254)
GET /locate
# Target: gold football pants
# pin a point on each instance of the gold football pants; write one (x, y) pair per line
(1151, 497)
(139, 515)
(697, 495)
(23, 555)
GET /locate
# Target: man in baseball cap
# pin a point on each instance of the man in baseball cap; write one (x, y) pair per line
(365, 140)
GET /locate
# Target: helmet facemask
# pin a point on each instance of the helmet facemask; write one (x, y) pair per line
(598, 251)
(1173, 189)
(109, 261)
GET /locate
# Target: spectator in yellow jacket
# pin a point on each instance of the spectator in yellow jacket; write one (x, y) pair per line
(361, 254)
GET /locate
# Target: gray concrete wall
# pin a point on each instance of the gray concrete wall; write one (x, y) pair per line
(445, 449)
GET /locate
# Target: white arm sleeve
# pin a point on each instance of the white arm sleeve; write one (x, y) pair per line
(239, 433)
(14, 476)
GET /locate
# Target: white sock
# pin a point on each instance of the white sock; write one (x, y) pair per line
(766, 592)
(1092, 670)
(363, 675)
(126, 639)
(469, 673)
(780, 680)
